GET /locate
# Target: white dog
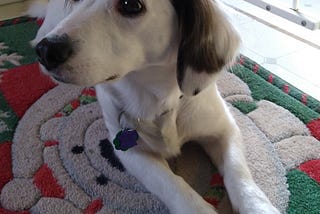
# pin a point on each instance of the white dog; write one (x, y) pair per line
(155, 64)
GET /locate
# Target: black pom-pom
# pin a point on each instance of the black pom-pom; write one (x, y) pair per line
(102, 180)
(77, 149)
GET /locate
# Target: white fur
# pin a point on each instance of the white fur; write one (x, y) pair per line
(56, 12)
(142, 52)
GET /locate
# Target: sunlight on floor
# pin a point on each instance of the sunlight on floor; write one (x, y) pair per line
(286, 49)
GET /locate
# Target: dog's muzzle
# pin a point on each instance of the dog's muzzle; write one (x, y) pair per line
(54, 51)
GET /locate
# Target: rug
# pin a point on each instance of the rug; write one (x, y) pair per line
(54, 156)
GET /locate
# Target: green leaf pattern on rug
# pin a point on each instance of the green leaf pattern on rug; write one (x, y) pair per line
(12, 58)
(15, 51)
(84, 99)
(305, 194)
(8, 121)
(3, 125)
(87, 99)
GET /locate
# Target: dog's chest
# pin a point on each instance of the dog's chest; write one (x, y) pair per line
(160, 135)
(150, 103)
(150, 100)
(156, 125)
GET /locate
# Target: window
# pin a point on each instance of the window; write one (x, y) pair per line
(302, 12)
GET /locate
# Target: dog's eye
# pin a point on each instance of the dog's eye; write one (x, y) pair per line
(70, 2)
(131, 8)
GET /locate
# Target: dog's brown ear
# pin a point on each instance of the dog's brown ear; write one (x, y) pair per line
(208, 42)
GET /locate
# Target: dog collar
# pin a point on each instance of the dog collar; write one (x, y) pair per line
(126, 139)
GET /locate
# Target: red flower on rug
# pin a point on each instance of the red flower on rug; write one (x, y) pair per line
(22, 94)
(314, 127)
(312, 169)
(5, 163)
(47, 183)
(94, 207)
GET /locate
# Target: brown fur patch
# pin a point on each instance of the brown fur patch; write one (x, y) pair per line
(197, 28)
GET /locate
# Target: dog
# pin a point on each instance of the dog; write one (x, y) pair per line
(154, 64)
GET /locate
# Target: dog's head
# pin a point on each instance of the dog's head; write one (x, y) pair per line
(103, 40)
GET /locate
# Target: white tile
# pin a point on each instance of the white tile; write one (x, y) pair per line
(236, 17)
(304, 63)
(233, 2)
(266, 41)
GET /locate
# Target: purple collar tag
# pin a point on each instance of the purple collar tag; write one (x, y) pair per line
(126, 139)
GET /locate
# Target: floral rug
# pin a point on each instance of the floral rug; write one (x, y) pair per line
(54, 156)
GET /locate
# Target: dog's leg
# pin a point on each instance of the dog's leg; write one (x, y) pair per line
(225, 150)
(155, 174)
(245, 196)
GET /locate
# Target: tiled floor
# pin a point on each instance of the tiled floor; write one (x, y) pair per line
(8, 11)
(294, 60)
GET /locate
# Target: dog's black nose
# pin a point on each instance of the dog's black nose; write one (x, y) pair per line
(54, 51)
